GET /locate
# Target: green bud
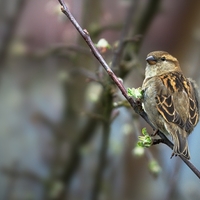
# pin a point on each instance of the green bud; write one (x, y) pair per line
(145, 140)
(136, 93)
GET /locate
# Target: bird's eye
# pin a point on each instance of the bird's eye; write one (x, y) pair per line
(163, 58)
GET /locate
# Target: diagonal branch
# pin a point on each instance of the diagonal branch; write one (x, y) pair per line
(135, 104)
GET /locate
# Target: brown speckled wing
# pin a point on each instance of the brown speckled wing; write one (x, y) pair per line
(166, 108)
(175, 85)
(193, 106)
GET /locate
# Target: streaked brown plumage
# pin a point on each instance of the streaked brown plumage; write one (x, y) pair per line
(170, 100)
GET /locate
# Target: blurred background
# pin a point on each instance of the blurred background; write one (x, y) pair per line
(60, 136)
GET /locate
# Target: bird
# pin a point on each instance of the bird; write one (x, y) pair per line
(170, 100)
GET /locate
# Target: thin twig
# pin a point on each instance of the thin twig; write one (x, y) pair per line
(109, 27)
(15, 174)
(136, 105)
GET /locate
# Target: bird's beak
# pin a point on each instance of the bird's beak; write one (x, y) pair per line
(151, 60)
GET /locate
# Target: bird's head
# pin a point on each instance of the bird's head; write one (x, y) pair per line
(160, 62)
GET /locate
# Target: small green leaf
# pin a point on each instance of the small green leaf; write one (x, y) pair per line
(130, 92)
(144, 131)
(137, 93)
(140, 144)
(145, 140)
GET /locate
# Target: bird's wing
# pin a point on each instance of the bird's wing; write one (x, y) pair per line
(193, 117)
(176, 101)
(166, 108)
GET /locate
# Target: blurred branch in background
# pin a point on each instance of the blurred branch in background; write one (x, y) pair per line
(14, 175)
(8, 25)
(107, 111)
(124, 34)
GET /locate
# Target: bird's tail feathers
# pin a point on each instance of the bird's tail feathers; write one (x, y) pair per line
(180, 144)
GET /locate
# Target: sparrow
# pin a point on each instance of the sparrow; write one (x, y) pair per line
(170, 99)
